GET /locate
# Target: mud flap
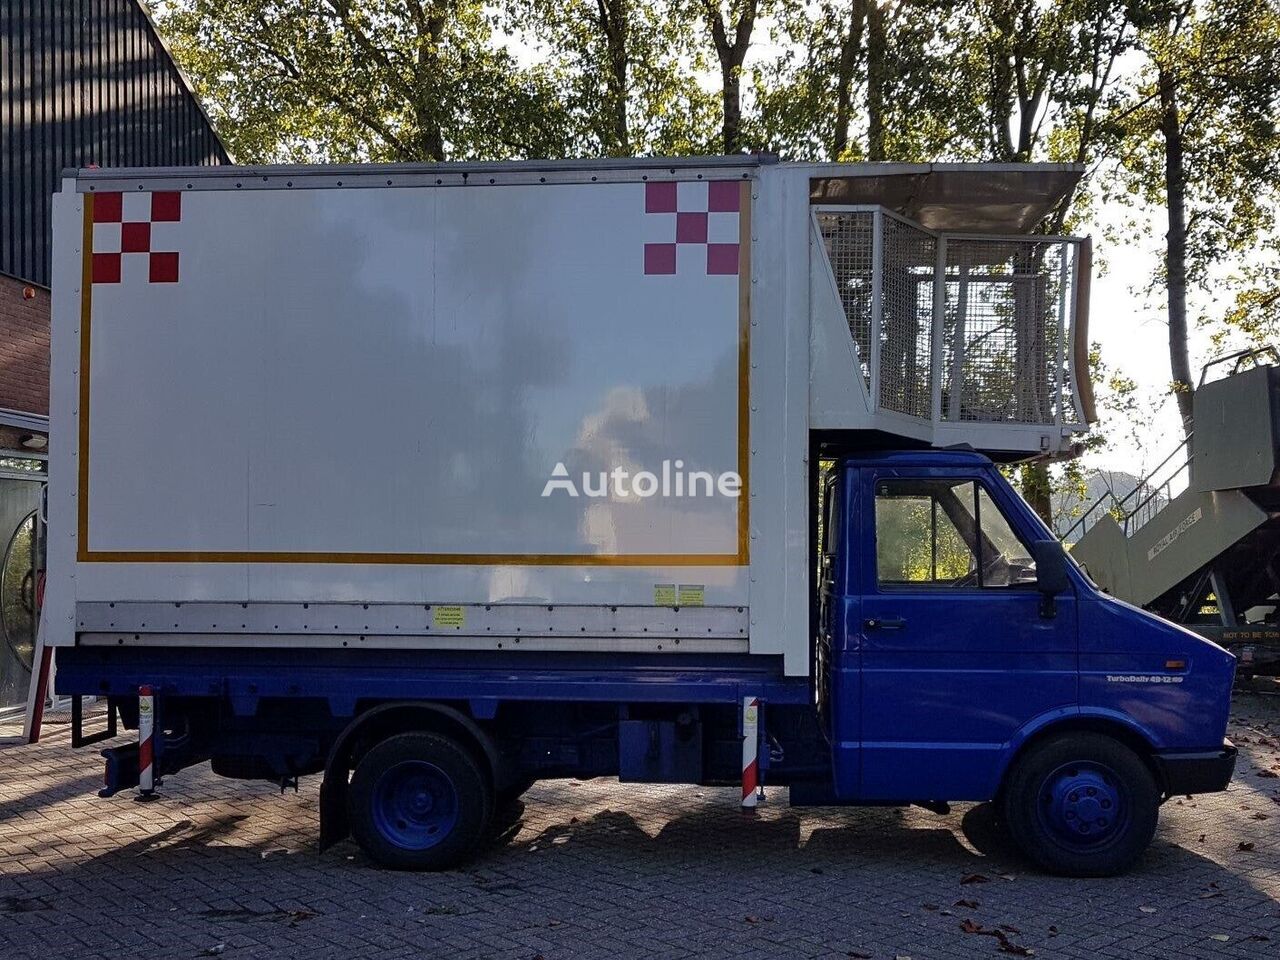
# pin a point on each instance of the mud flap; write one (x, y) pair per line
(334, 824)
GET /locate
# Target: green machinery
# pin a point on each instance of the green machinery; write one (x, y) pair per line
(1198, 540)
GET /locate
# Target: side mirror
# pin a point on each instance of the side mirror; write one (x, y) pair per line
(1051, 572)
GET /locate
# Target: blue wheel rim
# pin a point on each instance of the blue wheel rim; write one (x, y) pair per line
(415, 805)
(1084, 805)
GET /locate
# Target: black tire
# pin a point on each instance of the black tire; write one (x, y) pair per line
(392, 821)
(1081, 805)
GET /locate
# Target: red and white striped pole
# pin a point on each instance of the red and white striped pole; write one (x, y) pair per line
(146, 740)
(750, 751)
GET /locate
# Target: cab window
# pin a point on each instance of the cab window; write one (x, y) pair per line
(945, 534)
(830, 533)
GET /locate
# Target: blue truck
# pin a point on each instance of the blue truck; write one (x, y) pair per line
(440, 480)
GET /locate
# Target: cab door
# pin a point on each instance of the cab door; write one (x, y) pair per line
(957, 650)
(838, 680)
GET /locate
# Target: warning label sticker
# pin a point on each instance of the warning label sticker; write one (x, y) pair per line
(692, 594)
(664, 594)
(448, 616)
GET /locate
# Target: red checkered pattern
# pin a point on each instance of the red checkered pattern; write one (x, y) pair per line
(693, 227)
(135, 237)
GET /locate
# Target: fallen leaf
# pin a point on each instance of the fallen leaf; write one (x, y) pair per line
(969, 904)
(1220, 937)
(1005, 944)
(974, 878)
(750, 919)
(1007, 876)
(1210, 896)
(929, 906)
(1258, 938)
(1260, 816)
(215, 950)
(1268, 775)
(1053, 931)
(1147, 909)
(1244, 846)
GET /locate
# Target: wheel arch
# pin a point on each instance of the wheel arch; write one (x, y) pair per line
(1120, 730)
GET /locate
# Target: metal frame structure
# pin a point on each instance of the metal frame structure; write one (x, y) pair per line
(1066, 314)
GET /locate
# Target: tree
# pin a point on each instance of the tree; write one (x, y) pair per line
(1203, 141)
(622, 70)
(863, 80)
(1253, 320)
(363, 80)
(731, 39)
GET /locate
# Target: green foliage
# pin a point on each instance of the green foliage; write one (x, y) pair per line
(623, 74)
(1253, 319)
(347, 80)
(1221, 57)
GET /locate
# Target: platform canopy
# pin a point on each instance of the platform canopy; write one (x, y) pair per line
(995, 198)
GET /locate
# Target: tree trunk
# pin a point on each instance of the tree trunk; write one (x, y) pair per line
(427, 66)
(731, 87)
(1175, 257)
(614, 23)
(732, 53)
(877, 75)
(850, 47)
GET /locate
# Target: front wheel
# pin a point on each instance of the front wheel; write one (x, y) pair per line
(1081, 805)
(419, 801)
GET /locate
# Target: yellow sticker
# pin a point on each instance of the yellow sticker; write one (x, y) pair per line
(664, 594)
(692, 594)
(448, 616)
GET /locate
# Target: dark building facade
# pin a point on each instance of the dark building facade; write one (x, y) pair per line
(83, 82)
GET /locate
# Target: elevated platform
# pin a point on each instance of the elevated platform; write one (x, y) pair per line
(938, 319)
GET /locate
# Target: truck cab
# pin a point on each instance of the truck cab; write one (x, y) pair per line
(967, 657)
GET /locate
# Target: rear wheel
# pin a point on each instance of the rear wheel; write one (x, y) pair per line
(419, 801)
(1082, 805)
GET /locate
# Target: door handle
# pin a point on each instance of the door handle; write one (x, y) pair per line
(885, 623)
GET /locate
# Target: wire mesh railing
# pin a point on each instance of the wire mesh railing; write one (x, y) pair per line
(957, 328)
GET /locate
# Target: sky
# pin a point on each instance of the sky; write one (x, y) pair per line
(1131, 327)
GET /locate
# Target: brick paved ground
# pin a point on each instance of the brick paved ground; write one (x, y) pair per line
(601, 870)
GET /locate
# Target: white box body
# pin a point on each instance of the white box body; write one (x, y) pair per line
(322, 406)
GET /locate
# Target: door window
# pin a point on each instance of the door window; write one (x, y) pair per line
(945, 534)
(829, 535)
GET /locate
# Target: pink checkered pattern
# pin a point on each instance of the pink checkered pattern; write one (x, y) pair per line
(130, 237)
(711, 221)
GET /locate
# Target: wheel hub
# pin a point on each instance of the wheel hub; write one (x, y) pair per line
(415, 805)
(1083, 804)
